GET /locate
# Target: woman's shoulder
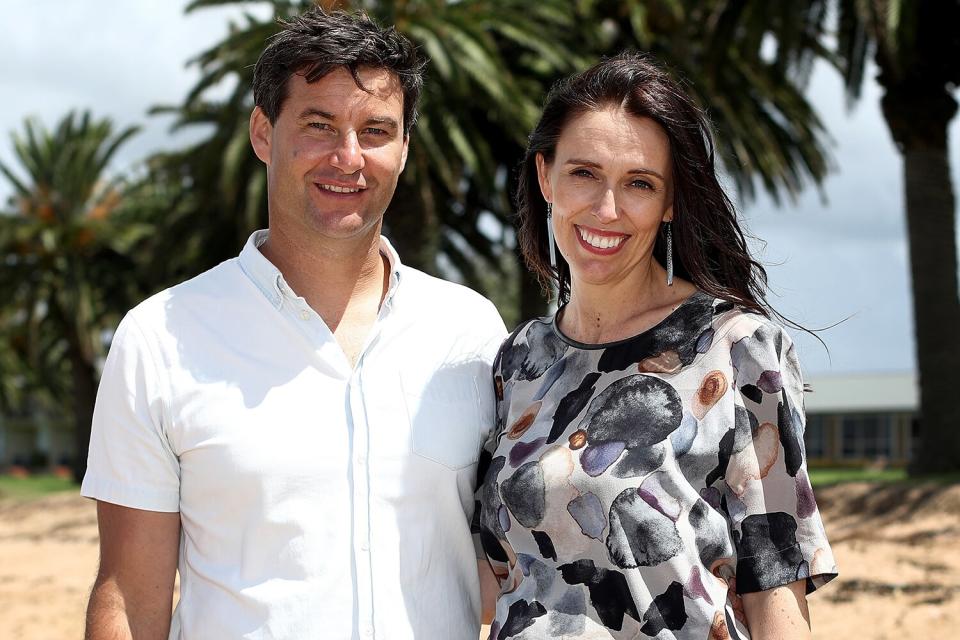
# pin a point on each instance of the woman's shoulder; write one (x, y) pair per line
(530, 343)
(733, 323)
(759, 347)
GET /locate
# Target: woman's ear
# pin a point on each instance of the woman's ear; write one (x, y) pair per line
(543, 176)
(668, 214)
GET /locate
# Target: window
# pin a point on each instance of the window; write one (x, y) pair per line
(868, 435)
(814, 436)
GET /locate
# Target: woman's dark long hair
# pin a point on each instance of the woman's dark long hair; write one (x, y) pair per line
(709, 248)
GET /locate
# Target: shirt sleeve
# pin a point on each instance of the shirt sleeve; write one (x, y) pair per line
(486, 524)
(494, 333)
(130, 461)
(777, 529)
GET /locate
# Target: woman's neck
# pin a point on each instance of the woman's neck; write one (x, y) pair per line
(601, 313)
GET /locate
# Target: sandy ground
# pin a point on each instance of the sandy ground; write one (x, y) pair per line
(898, 549)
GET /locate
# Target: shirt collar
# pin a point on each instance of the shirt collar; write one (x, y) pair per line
(393, 258)
(270, 281)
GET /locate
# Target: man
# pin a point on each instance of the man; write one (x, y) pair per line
(297, 429)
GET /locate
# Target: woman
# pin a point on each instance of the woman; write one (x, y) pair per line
(646, 477)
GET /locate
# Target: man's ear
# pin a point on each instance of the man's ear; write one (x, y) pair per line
(543, 176)
(406, 149)
(261, 134)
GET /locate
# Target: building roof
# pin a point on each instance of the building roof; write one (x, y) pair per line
(849, 393)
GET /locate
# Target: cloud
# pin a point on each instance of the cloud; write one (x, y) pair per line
(114, 57)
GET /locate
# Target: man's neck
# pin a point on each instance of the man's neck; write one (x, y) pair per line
(337, 279)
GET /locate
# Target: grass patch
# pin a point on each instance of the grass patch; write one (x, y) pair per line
(825, 476)
(34, 486)
(839, 475)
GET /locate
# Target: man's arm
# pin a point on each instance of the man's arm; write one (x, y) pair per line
(133, 594)
(779, 613)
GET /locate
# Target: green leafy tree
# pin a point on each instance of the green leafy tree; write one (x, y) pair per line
(916, 47)
(66, 264)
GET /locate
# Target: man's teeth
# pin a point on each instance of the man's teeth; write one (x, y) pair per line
(336, 189)
(600, 242)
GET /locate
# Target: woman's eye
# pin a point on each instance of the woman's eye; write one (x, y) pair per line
(642, 184)
(581, 173)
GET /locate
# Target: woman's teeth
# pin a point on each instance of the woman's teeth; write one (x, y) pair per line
(600, 242)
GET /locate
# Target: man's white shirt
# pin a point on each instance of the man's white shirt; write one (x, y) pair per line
(317, 499)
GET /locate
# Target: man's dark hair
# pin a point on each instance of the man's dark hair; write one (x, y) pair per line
(315, 43)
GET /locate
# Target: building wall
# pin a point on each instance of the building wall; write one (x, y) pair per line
(25, 441)
(859, 438)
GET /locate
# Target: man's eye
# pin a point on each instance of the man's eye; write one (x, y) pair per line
(375, 131)
(318, 125)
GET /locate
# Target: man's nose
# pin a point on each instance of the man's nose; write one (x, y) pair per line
(348, 156)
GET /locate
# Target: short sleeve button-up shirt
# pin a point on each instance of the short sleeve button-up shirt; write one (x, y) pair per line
(317, 499)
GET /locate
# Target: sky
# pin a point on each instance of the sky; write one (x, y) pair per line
(836, 256)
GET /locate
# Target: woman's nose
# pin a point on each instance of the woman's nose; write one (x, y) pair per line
(606, 210)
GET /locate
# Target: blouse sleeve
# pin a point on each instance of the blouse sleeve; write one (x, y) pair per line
(777, 529)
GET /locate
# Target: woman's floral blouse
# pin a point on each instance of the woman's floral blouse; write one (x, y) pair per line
(637, 489)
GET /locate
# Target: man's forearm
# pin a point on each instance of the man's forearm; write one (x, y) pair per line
(110, 616)
(106, 614)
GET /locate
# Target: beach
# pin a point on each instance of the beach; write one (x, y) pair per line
(898, 547)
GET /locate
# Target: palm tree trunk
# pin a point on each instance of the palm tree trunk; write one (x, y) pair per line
(918, 69)
(931, 225)
(84, 378)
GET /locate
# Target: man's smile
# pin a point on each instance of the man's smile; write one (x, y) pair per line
(339, 190)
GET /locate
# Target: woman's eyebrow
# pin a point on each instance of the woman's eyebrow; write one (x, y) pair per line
(594, 165)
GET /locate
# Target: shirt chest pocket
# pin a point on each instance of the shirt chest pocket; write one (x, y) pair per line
(444, 415)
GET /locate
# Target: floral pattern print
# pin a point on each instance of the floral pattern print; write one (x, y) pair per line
(638, 489)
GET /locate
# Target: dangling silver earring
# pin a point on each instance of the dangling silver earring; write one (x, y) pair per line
(550, 240)
(669, 254)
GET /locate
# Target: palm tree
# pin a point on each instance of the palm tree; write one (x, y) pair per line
(916, 46)
(65, 276)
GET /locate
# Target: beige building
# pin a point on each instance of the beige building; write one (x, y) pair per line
(861, 419)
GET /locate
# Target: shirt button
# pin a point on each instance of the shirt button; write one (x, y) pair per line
(304, 314)
(361, 462)
(368, 632)
(363, 546)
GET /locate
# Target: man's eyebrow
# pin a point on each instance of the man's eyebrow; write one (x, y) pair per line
(384, 120)
(594, 165)
(311, 111)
